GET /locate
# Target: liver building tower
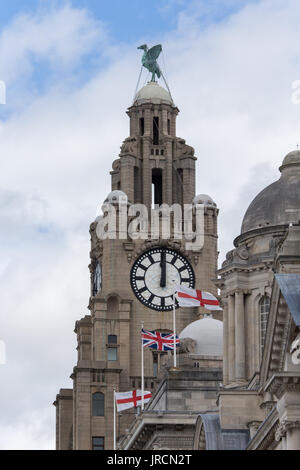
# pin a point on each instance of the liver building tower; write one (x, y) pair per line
(132, 277)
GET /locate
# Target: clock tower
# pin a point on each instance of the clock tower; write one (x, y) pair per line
(132, 277)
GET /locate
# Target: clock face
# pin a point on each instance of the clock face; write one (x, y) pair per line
(155, 274)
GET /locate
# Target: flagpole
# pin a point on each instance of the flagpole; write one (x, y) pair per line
(174, 331)
(115, 424)
(142, 368)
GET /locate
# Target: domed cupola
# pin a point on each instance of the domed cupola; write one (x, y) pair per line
(204, 199)
(279, 203)
(153, 93)
(208, 335)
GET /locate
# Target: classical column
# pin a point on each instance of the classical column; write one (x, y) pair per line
(293, 435)
(225, 342)
(288, 433)
(231, 339)
(239, 336)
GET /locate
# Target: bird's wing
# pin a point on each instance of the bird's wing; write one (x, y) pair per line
(154, 52)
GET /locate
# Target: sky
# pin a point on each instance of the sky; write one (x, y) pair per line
(71, 69)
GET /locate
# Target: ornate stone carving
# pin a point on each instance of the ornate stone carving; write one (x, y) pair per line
(187, 345)
(242, 252)
(284, 426)
(129, 146)
(116, 165)
(184, 149)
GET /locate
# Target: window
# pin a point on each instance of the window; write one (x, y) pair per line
(142, 126)
(98, 443)
(97, 279)
(112, 339)
(264, 307)
(111, 354)
(155, 130)
(157, 186)
(98, 404)
(112, 350)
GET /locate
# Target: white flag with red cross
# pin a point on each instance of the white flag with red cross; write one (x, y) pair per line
(196, 298)
(131, 399)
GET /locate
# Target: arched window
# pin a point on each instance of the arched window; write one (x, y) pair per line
(264, 307)
(98, 404)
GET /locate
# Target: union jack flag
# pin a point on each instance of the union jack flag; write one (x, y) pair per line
(159, 341)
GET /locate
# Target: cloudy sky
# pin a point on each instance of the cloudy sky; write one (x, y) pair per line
(70, 69)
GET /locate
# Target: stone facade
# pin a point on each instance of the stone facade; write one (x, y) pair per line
(247, 399)
(154, 165)
(258, 403)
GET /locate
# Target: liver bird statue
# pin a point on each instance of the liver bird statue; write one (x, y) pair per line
(149, 59)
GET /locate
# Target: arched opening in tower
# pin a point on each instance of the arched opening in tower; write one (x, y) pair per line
(155, 130)
(157, 186)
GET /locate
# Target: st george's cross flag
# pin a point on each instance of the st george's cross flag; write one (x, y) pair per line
(196, 298)
(159, 341)
(125, 400)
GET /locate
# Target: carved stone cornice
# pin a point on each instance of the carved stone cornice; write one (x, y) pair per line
(283, 382)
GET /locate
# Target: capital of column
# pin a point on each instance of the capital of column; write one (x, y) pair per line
(285, 426)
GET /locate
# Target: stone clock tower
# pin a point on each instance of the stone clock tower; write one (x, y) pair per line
(132, 278)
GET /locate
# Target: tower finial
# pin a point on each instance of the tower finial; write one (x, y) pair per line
(149, 59)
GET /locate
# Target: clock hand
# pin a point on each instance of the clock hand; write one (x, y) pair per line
(163, 281)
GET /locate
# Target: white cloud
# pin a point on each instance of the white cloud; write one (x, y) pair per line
(60, 37)
(232, 83)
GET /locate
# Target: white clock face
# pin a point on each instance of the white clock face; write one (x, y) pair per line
(155, 274)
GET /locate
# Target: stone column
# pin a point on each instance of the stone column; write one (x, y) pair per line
(239, 336)
(127, 176)
(231, 339)
(288, 407)
(225, 342)
(293, 435)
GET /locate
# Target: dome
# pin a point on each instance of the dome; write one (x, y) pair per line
(153, 93)
(116, 197)
(203, 199)
(292, 158)
(208, 334)
(279, 203)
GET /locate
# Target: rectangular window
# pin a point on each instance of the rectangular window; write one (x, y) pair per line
(98, 443)
(112, 354)
(169, 126)
(157, 190)
(142, 126)
(112, 339)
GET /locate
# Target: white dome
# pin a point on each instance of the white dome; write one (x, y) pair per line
(203, 199)
(153, 93)
(117, 197)
(208, 334)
